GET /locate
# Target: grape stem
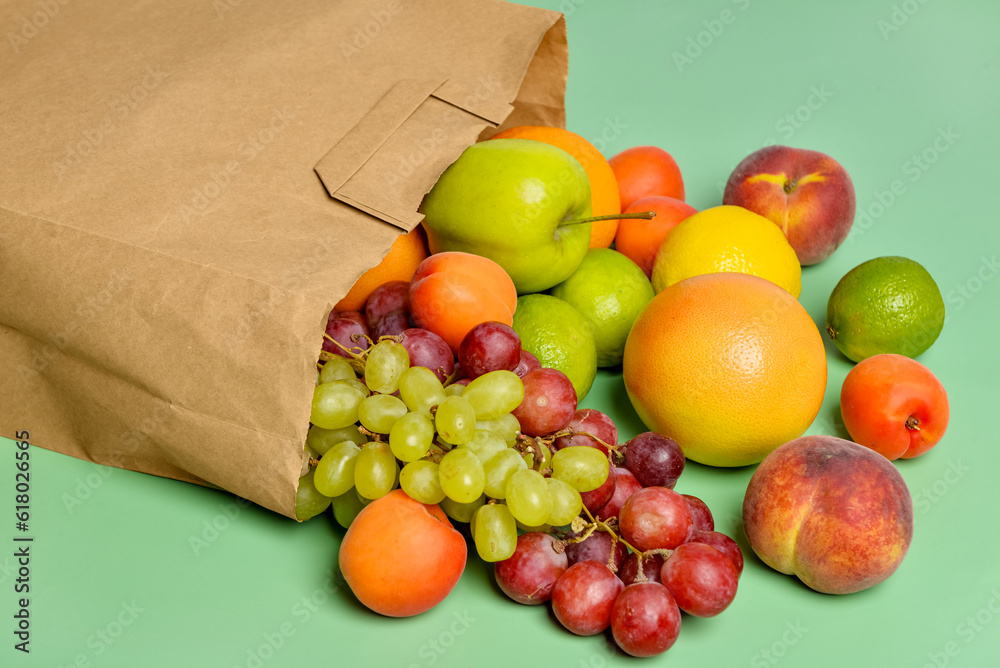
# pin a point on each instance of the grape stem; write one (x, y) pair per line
(608, 526)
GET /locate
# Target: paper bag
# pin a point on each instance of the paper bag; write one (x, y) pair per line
(187, 187)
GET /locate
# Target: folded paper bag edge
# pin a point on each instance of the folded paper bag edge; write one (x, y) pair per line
(385, 117)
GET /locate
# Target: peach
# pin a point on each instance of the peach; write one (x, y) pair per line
(808, 194)
(401, 557)
(646, 171)
(833, 513)
(453, 291)
(894, 405)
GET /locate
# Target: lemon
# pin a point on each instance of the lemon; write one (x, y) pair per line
(885, 305)
(559, 336)
(727, 239)
(610, 291)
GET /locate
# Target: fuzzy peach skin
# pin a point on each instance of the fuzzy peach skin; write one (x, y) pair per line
(831, 512)
(808, 194)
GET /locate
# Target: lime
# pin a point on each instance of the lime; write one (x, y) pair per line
(559, 336)
(610, 291)
(885, 305)
(727, 239)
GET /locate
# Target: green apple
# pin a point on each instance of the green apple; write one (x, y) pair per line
(510, 200)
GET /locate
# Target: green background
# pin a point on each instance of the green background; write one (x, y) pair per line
(116, 580)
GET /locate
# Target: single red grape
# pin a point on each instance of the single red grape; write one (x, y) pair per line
(386, 298)
(489, 346)
(655, 518)
(625, 486)
(596, 499)
(429, 350)
(723, 544)
(527, 362)
(589, 421)
(549, 402)
(529, 575)
(656, 461)
(650, 568)
(645, 620)
(701, 516)
(393, 323)
(598, 546)
(348, 333)
(700, 578)
(583, 597)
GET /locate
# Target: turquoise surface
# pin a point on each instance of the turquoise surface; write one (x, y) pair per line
(132, 570)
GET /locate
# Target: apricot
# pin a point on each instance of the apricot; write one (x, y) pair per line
(831, 512)
(645, 171)
(640, 239)
(401, 557)
(453, 291)
(894, 405)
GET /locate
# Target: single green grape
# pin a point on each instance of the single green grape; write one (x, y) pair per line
(321, 440)
(336, 368)
(506, 427)
(498, 471)
(461, 512)
(308, 501)
(461, 475)
(566, 502)
(420, 481)
(454, 390)
(411, 436)
(335, 471)
(484, 444)
(346, 507)
(528, 497)
(376, 472)
(335, 404)
(494, 394)
(386, 362)
(420, 389)
(495, 532)
(455, 420)
(379, 412)
(583, 467)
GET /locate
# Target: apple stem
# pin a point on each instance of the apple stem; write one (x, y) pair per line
(646, 215)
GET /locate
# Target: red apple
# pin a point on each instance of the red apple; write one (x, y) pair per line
(894, 405)
(808, 194)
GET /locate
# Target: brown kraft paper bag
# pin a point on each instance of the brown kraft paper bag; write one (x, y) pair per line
(187, 187)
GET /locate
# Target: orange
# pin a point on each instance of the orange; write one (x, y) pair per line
(604, 196)
(729, 365)
(406, 252)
